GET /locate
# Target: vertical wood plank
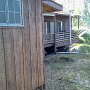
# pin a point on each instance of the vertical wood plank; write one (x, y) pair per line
(55, 31)
(2, 63)
(21, 51)
(33, 42)
(39, 42)
(18, 58)
(22, 59)
(26, 48)
(9, 59)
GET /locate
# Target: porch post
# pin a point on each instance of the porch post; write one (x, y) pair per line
(70, 20)
(55, 30)
(78, 21)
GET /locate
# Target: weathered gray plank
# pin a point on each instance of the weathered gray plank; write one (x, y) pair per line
(26, 48)
(33, 43)
(21, 52)
(18, 58)
(2, 63)
(40, 45)
(22, 59)
(9, 59)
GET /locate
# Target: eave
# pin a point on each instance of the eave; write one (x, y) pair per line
(51, 6)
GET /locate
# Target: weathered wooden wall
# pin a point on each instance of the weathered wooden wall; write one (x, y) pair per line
(64, 19)
(21, 51)
(49, 18)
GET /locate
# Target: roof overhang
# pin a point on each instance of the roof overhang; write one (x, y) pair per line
(48, 14)
(51, 6)
(56, 14)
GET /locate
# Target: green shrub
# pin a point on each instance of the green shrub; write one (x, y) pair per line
(86, 38)
(81, 40)
(84, 48)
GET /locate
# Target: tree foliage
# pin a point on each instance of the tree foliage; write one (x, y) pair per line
(86, 14)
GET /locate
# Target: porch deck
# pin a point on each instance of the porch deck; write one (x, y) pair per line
(59, 39)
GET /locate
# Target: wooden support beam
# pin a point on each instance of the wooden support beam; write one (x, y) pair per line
(55, 48)
(78, 22)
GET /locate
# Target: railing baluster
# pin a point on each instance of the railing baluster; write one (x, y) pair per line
(61, 39)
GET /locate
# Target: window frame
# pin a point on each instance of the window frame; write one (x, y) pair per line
(61, 26)
(47, 27)
(8, 24)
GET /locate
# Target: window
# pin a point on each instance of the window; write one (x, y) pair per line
(45, 27)
(10, 13)
(48, 27)
(52, 27)
(60, 26)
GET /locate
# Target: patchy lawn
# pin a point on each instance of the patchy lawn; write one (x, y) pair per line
(67, 72)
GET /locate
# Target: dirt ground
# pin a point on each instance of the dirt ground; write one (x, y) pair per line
(67, 72)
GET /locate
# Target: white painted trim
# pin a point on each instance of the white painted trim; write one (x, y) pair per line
(10, 25)
(48, 14)
(61, 25)
(70, 30)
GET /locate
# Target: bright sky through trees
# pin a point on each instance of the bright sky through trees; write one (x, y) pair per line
(76, 6)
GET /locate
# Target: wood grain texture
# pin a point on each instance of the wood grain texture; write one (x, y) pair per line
(9, 59)
(2, 63)
(18, 58)
(39, 43)
(26, 48)
(21, 51)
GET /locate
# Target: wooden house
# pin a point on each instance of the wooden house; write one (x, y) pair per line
(57, 31)
(21, 44)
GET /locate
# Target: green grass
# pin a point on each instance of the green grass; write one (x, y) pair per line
(68, 75)
(84, 48)
(76, 56)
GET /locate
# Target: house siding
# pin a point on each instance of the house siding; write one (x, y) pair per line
(21, 51)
